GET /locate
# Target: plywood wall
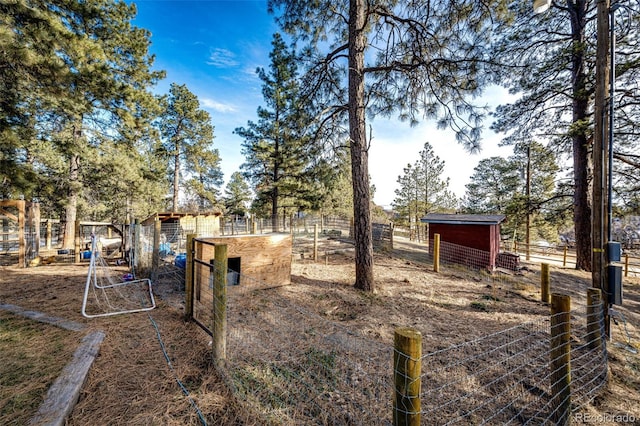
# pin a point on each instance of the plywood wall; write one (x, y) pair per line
(264, 259)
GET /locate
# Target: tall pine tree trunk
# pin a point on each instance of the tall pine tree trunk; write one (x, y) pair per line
(71, 207)
(274, 209)
(359, 150)
(176, 179)
(581, 207)
(275, 193)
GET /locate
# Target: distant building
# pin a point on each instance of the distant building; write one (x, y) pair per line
(469, 239)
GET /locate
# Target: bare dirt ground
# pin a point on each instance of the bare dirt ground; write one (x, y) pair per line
(133, 383)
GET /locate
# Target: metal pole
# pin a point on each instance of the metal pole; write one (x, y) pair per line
(612, 91)
(528, 195)
(598, 224)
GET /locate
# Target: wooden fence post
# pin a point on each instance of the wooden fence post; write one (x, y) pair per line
(407, 362)
(564, 257)
(436, 252)
(594, 314)
(155, 254)
(49, 232)
(560, 362)
(22, 246)
(220, 304)
(391, 229)
(35, 219)
(77, 242)
(626, 265)
(137, 245)
(188, 278)
(545, 283)
(315, 242)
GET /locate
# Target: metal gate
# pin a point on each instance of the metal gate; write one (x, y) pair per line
(200, 299)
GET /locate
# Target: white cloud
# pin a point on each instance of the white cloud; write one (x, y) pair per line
(222, 58)
(218, 106)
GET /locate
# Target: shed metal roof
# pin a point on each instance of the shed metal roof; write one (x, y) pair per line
(463, 219)
(166, 216)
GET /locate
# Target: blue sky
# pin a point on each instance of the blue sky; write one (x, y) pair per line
(215, 46)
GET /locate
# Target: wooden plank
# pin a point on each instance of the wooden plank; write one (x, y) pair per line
(63, 394)
(264, 258)
(42, 317)
(8, 215)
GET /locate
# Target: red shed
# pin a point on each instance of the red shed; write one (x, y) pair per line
(460, 231)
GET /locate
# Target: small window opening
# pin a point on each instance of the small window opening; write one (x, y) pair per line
(233, 273)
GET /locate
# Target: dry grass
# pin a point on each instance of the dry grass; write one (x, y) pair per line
(32, 355)
(131, 382)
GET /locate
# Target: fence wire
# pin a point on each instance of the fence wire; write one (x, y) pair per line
(506, 378)
(292, 366)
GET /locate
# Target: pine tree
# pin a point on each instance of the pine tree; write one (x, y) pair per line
(339, 200)
(422, 189)
(422, 58)
(237, 195)
(187, 138)
(548, 60)
(280, 162)
(84, 73)
(494, 183)
(521, 186)
(436, 195)
(406, 201)
(206, 179)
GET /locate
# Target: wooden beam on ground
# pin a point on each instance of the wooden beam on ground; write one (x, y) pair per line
(42, 317)
(63, 394)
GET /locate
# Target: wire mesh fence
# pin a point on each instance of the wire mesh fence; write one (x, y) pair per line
(318, 236)
(289, 365)
(565, 255)
(508, 377)
(496, 269)
(292, 366)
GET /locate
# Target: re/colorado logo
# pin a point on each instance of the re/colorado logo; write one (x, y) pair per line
(605, 418)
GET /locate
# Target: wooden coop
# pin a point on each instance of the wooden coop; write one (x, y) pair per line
(461, 232)
(252, 260)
